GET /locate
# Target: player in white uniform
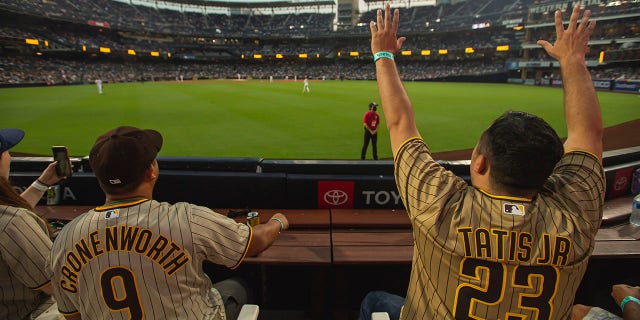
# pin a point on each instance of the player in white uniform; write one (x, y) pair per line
(305, 88)
(99, 85)
(25, 242)
(135, 256)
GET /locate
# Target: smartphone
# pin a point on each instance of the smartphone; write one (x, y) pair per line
(61, 154)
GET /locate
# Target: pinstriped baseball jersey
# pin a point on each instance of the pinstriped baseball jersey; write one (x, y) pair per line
(144, 258)
(24, 247)
(481, 256)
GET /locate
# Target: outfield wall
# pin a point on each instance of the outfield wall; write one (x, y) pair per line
(280, 184)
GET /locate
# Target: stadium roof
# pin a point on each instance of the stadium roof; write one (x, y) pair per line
(257, 3)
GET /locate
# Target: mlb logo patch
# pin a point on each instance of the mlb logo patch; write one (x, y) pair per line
(512, 208)
(111, 214)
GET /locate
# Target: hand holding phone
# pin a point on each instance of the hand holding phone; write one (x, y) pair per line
(63, 167)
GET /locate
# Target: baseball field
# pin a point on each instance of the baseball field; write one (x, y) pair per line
(274, 120)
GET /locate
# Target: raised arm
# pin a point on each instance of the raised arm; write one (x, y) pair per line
(395, 102)
(582, 110)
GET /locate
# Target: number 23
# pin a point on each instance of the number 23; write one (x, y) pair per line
(491, 293)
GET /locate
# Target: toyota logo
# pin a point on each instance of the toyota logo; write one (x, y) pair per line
(335, 197)
(620, 183)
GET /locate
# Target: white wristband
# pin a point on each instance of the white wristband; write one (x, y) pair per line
(281, 224)
(39, 186)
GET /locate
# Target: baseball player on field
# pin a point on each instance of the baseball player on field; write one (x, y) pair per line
(135, 257)
(25, 243)
(515, 243)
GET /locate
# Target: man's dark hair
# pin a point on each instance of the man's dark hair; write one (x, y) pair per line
(522, 150)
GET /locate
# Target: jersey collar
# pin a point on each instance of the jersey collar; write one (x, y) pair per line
(121, 203)
(521, 199)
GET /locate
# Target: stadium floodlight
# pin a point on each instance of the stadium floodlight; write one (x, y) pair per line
(601, 57)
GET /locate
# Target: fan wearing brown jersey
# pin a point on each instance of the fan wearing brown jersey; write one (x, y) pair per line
(516, 242)
(135, 257)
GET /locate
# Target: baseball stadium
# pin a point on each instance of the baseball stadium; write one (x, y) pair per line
(260, 107)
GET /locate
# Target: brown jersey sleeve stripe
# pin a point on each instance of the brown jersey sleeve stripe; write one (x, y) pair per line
(246, 249)
(42, 285)
(402, 146)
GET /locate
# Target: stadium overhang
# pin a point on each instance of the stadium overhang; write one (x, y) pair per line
(256, 4)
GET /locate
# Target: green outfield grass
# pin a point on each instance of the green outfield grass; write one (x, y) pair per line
(274, 120)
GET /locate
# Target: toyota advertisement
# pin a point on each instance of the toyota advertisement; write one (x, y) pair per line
(358, 194)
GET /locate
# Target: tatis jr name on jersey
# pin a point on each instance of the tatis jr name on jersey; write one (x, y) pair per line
(506, 245)
(157, 247)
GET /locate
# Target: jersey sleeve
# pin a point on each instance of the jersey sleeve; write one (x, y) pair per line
(25, 247)
(219, 239)
(424, 185)
(579, 180)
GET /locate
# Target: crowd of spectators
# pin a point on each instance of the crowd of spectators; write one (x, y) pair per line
(28, 70)
(33, 70)
(81, 27)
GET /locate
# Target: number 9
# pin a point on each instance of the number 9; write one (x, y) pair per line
(121, 280)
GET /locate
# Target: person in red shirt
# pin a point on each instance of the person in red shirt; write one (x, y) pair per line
(371, 121)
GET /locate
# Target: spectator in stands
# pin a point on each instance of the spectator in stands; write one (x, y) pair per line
(518, 239)
(145, 257)
(25, 240)
(626, 296)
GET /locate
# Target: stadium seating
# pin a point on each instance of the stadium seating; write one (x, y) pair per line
(210, 45)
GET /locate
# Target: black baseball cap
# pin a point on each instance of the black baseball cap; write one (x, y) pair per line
(372, 105)
(121, 156)
(9, 138)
